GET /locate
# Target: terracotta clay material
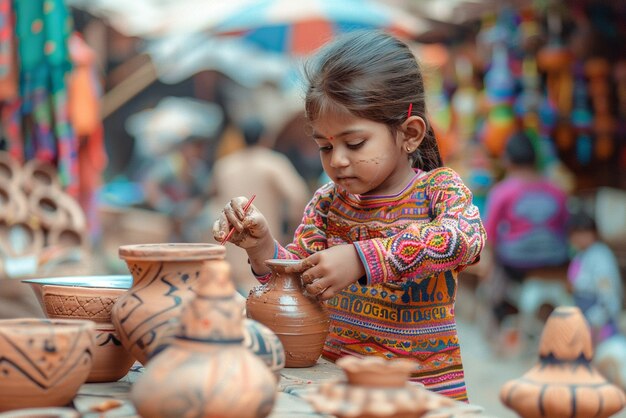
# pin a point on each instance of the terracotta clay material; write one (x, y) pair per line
(44, 361)
(92, 298)
(164, 276)
(563, 383)
(379, 388)
(300, 321)
(206, 372)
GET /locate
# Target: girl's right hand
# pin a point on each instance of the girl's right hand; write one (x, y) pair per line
(250, 227)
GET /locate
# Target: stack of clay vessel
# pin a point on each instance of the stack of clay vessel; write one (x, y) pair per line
(299, 320)
(206, 372)
(44, 361)
(563, 383)
(91, 298)
(164, 277)
(377, 388)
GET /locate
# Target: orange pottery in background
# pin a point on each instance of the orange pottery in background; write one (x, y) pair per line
(564, 383)
(164, 276)
(206, 371)
(300, 321)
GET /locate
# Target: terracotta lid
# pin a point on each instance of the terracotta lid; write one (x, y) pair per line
(172, 252)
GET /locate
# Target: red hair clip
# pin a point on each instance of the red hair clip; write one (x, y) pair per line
(410, 110)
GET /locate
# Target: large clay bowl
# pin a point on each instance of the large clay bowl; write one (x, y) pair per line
(44, 361)
(89, 297)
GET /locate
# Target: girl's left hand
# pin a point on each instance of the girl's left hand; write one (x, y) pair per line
(328, 272)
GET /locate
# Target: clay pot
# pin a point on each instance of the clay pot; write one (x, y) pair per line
(265, 344)
(206, 371)
(563, 383)
(164, 276)
(44, 361)
(377, 388)
(300, 321)
(92, 298)
(37, 173)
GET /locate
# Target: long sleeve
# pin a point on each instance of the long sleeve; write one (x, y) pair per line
(453, 238)
(310, 236)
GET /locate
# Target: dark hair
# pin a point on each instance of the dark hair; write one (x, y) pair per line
(581, 221)
(519, 149)
(374, 76)
(252, 130)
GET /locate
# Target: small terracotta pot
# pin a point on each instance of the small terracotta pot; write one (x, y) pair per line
(300, 321)
(563, 383)
(206, 372)
(45, 361)
(378, 388)
(164, 276)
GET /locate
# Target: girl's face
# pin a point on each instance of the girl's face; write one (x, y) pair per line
(362, 156)
(582, 240)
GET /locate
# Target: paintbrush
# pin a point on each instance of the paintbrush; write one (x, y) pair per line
(232, 228)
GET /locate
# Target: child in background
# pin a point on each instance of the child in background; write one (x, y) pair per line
(594, 277)
(598, 292)
(384, 241)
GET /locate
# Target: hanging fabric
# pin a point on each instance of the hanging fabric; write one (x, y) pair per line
(43, 28)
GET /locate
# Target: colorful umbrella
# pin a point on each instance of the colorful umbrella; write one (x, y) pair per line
(299, 27)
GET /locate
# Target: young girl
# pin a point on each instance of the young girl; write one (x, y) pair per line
(384, 241)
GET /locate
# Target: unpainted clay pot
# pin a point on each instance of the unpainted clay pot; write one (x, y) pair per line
(378, 388)
(164, 276)
(300, 321)
(563, 383)
(206, 371)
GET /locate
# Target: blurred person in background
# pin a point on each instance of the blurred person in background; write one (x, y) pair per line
(281, 193)
(176, 185)
(597, 288)
(525, 220)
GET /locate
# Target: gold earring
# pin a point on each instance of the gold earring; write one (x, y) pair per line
(408, 149)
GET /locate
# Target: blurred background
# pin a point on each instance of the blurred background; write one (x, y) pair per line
(118, 119)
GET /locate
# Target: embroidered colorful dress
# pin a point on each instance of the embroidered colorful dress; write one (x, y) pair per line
(412, 244)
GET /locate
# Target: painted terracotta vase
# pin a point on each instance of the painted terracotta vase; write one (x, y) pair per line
(563, 383)
(300, 321)
(207, 372)
(164, 276)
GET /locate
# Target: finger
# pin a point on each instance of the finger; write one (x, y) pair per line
(220, 228)
(238, 204)
(327, 293)
(306, 264)
(312, 274)
(232, 219)
(317, 287)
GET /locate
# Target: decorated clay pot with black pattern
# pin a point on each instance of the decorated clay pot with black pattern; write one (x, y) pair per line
(299, 320)
(563, 383)
(164, 277)
(206, 371)
(43, 361)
